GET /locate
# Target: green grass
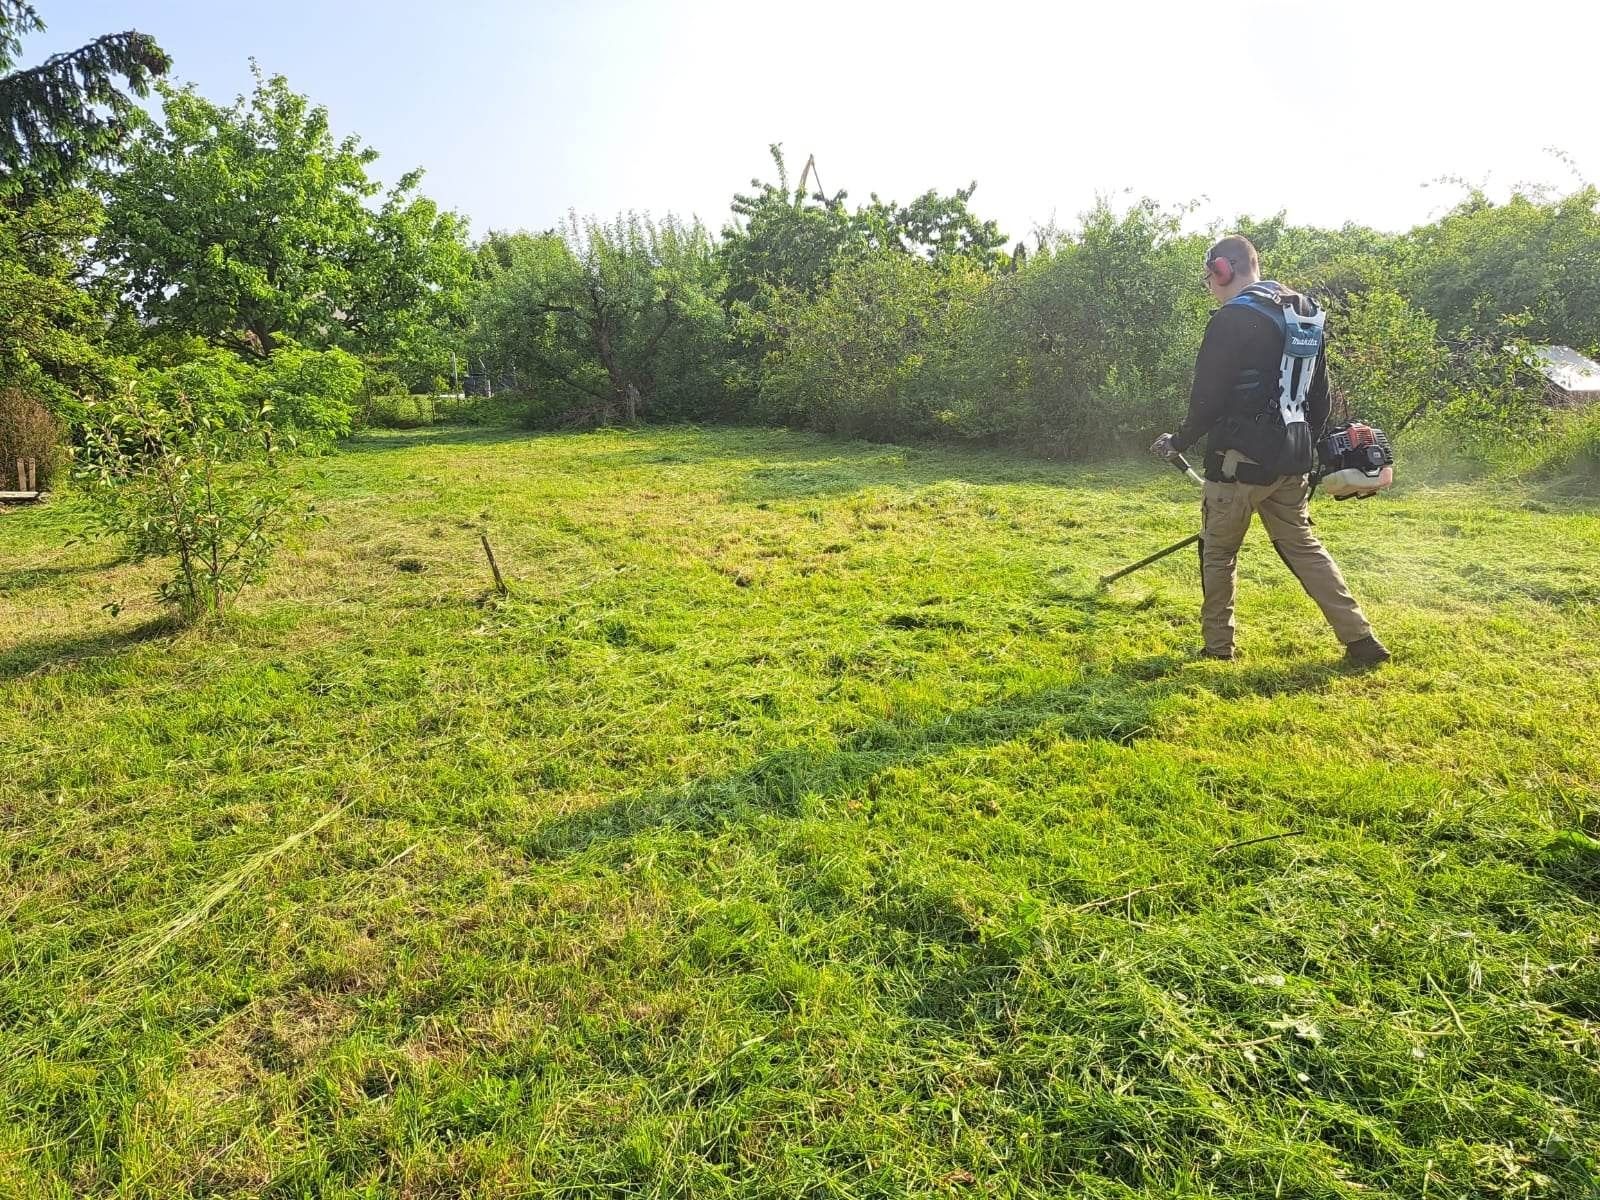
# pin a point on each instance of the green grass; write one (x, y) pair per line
(803, 825)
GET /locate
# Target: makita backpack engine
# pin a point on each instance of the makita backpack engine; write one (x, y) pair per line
(1354, 462)
(1275, 436)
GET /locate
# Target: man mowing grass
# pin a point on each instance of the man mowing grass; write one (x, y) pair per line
(1261, 396)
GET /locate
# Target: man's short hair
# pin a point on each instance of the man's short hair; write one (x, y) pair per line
(1238, 251)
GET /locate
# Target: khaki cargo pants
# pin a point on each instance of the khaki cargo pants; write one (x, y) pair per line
(1225, 518)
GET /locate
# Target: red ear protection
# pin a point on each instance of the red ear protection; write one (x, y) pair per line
(1222, 269)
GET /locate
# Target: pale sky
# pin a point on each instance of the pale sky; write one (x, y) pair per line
(1336, 111)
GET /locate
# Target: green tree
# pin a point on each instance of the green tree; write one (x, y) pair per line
(868, 354)
(1385, 359)
(512, 334)
(607, 320)
(249, 225)
(49, 323)
(786, 237)
(172, 478)
(791, 238)
(411, 288)
(935, 227)
(1484, 262)
(1329, 263)
(789, 241)
(59, 116)
(1090, 345)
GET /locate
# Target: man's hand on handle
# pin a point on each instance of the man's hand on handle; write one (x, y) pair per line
(1162, 448)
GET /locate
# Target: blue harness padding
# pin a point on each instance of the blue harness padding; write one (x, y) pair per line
(1302, 341)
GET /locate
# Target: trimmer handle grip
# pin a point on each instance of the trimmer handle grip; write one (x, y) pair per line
(1182, 463)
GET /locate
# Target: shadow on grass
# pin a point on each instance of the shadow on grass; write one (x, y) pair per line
(44, 653)
(964, 973)
(25, 578)
(791, 465)
(768, 464)
(1117, 707)
(1571, 859)
(879, 467)
(374, 441)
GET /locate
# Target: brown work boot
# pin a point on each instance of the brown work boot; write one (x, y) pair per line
(1367, 652)
(1219, 655)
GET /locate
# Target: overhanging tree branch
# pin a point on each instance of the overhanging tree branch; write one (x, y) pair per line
(669, 319)
(566, 378)
(51, 123)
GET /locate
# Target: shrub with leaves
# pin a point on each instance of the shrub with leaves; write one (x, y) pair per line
(49, 321)
(312, 394)
(867, 355)
(1570, 456)
(404, 411)
(1494, 397)
(1385, 359)
(1091, 345)
(170, 477)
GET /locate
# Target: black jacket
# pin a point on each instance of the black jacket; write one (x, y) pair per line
(1235, 378)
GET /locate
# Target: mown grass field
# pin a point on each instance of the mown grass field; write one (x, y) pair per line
(804, 825)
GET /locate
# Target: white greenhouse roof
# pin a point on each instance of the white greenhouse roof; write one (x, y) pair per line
(1567, 369)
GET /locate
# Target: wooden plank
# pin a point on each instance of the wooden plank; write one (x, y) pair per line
(19, 495)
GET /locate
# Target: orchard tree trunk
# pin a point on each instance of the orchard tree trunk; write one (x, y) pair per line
(608, 359)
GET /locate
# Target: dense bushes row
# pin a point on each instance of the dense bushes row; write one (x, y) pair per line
(1081, 347)
(896, 322)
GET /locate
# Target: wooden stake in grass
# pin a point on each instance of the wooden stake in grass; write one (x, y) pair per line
(27, 481)
(499, 583)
